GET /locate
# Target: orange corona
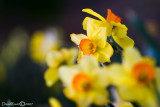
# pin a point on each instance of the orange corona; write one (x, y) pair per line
(143, 73)
(112, 17)
(87, 46)
(82, 83)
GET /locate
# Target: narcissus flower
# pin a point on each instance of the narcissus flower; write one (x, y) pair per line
(135, 77)
(54, 102)
(85, 83)
(56, 58)
(41, 43)
(94, 43)
(113, 27)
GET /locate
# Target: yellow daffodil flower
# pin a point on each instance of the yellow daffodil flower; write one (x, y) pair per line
(113, 27)
(54, 102)
(56, 58)
(94, 43)
(41, 43)
(85, 83)
(134, 78)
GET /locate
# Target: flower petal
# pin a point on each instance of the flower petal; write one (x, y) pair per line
(69, 55)
(101, 97)
(54, 102)
(157, 78)
(105, 53)
(88, 64)
(84, 24)
(119, 34)
(124, 42)
(91, 27)
(99, 37)
(80, 55)
(112, 17)
(51, 76)
(66, 74)
(98, 23)
(130, 57)
(90, 11)
(116, 74)
(76, 38)
(54, 59)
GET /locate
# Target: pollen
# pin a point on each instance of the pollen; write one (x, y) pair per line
(87, 46)
(112, 17)
(82, 83)
(143, 73)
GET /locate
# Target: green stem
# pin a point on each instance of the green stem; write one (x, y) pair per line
(119, 51)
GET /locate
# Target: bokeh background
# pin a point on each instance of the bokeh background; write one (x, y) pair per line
(22, 79)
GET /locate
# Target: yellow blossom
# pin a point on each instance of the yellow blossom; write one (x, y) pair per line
(54, 102)
(56, 58)
(134, 78)
(94, 43)
(113, 27)
(41, 43)
(85, 83)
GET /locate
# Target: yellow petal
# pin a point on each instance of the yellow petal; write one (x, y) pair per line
(130, 57)
(124, 104)
(119, 34)
(124, 42)
(119, 29)
(91, 27)
(85, 21)
(90, 11)
(88, 64)
(98, 23)
(54, 59)
(66, 74)
(105, 53)
(54, 102)
(51, 76)
(79, 99)
(130, 92)
(99, 37)
(101, 97)
(116, 74)
(80, 55)
(76, 38)
(158, 78)
(69, 55)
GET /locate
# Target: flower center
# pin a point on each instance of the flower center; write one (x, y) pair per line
(87, 46)
(82, 83)
(143, 73)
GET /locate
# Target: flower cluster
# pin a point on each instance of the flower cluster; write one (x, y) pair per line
(86, 81)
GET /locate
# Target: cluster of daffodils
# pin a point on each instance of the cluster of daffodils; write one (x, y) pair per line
(86, 80)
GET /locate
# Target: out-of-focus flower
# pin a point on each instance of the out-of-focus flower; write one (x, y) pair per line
(56, 58)
(54, 102)
(94, 43)
(113, 27)
(41, 43)
(134, 78)
(14, 48)
(85, 83)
